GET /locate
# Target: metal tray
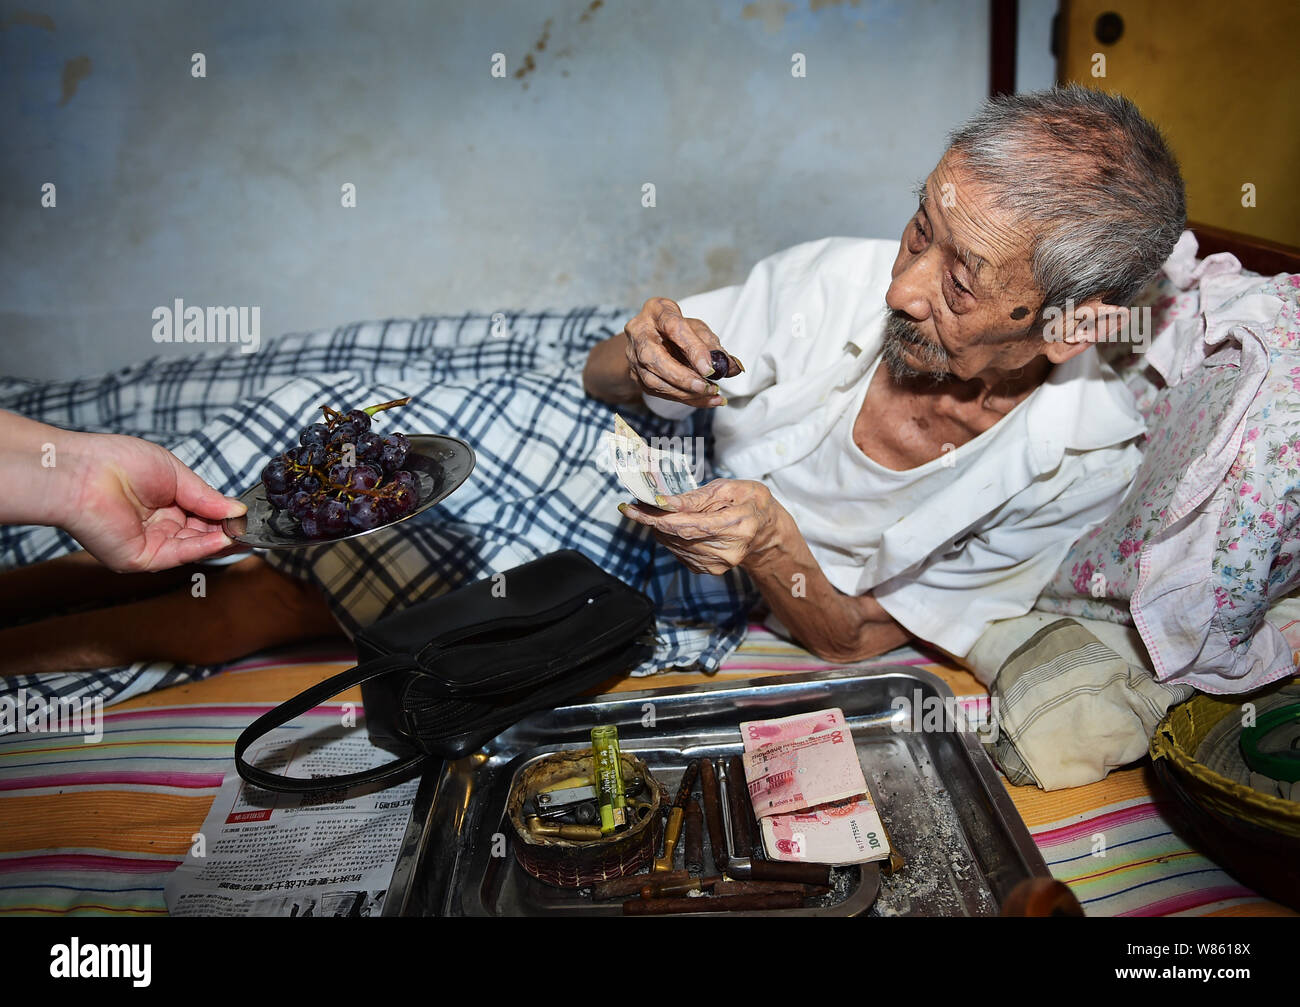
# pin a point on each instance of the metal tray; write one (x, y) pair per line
(946, 810)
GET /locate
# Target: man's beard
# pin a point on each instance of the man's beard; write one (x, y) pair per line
(900, 334)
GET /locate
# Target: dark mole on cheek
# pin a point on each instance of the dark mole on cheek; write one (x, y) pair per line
(1020, 313)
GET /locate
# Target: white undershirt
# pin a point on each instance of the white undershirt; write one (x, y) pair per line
(842, 500)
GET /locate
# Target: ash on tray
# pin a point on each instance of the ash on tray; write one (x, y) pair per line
(941, 877)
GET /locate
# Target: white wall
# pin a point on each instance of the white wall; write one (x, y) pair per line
(473, 192)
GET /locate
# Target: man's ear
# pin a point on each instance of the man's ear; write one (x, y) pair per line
(1069, 331)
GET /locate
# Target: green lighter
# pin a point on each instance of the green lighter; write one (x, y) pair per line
(608, 771)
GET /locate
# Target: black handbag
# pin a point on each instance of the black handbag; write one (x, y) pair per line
(442, 678)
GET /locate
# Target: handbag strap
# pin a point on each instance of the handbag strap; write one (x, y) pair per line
(307, 700)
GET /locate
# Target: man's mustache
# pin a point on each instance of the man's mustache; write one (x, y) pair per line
(903, 329)
(900, 331)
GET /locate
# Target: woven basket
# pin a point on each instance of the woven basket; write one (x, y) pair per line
(571, 864)
(1253, 835)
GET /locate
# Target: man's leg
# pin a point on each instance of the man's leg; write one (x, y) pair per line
(77, 581)
(246, 607)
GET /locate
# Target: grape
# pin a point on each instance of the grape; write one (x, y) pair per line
(332, 517)
(721, 364)
(317, 433)
(329, 497)
(276, 476)
(391, 458)
(364, 514)
(403, 498)
(368, 446)
(344, 433)
(386, 507)
(301, 503)
(363, 477)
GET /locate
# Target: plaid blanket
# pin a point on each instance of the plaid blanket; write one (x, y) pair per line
(510, 384)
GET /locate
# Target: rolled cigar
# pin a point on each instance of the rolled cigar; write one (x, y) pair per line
(712, 904)
(780, 870)
(621, 888)
(768, 888)
(694, 837)
(689, 776)
(712, 794)
(742, 808)
(655, 890)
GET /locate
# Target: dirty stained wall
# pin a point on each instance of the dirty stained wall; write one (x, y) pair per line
(472, 192)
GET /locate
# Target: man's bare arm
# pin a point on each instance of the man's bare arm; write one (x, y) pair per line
(607, 376)
(834, 626)
(737, 522)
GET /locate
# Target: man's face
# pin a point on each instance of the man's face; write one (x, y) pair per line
(962, 299)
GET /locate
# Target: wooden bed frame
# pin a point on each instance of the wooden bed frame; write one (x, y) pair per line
(1256, 254)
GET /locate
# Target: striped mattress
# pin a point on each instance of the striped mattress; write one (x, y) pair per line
(96, 829)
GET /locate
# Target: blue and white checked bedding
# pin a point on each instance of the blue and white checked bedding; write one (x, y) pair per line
(512, 388)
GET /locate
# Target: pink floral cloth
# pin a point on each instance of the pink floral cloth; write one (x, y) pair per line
(1208, 536)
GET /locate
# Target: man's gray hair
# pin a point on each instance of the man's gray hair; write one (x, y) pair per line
(1093, 182)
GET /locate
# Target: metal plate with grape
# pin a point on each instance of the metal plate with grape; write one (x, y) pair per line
(440, 464)
(343, 480)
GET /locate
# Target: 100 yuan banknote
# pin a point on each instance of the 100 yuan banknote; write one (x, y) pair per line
(803, 772)
(757, 733)
(645, 470)
(844, 832)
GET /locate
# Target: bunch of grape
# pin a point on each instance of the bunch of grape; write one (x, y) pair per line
(342, 477)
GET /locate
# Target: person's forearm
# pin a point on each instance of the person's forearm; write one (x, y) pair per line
(834, 626)
(607, 376)
(37, 464)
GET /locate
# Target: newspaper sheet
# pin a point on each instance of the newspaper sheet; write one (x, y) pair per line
(266, 854)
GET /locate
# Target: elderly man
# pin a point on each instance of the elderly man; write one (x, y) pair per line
(929, 496)
(937, 493)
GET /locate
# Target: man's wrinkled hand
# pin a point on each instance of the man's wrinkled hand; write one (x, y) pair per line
(669, 355)
(724, 524)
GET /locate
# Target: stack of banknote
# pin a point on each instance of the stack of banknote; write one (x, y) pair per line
(808, 790)
(646, 470)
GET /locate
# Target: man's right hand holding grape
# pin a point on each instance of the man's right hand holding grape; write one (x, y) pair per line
(660, 353)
